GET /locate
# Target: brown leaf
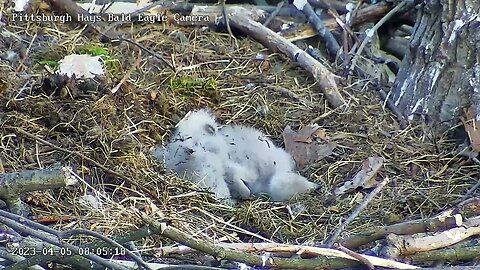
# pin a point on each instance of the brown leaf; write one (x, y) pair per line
(472, 127)
(304, 145)
(321, 134)
(365, 178)
(153, 95)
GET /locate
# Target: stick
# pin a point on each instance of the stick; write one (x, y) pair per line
(355, 255)
(409, 227)
(333, 238)
(269, 262)
(244, 19)
(128, 73)
(13, 184)
(274, 13)
(330, 41)
(403, 245)
(374, 29)
(368, 14)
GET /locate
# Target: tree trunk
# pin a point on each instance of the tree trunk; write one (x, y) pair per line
(440, 73)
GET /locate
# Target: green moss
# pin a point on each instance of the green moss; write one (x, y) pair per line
(193, 84)
(112, 64)
(195, 88)
(49, 56)
(93, 49)
(185, 93)
(50, 63)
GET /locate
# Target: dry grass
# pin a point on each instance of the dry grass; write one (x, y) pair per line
(118, 130)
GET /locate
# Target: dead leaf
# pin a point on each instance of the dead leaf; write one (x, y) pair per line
(153, 95)
(365, 178)
(472, 127)
(321, 134)
(307, 145)
(151, 208)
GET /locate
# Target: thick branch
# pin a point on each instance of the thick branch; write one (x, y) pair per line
(262, 261)
(33, 180)
(241, 19)
(410, 227)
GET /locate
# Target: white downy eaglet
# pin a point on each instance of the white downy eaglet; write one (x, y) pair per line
(275, 168)
(197, 153)
(234, 161)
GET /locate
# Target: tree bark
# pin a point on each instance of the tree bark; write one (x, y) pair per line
(440, 73)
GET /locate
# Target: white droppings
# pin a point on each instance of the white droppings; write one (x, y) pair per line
(456, 27)
(20, 5)
(348, 18)
(265, 258)
(11, 55)
(285, 26)
(183, 248)
(243, 266)
(260, 56)
(434, 74)
(350, 7)
(405, 84)
(472, 83)
(428, 47)
(370, 32)
(403, 90)
(299, 4)
(474, 80)
(419, 103)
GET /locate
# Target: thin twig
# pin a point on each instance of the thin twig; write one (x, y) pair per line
(128, 73)
(331, 240)
(469, 192)
(21, 64)
(274, 13)
(374, 29)
(227, 21)
(393, 108)
(156, 55)
(287, 93)
(233, 226)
